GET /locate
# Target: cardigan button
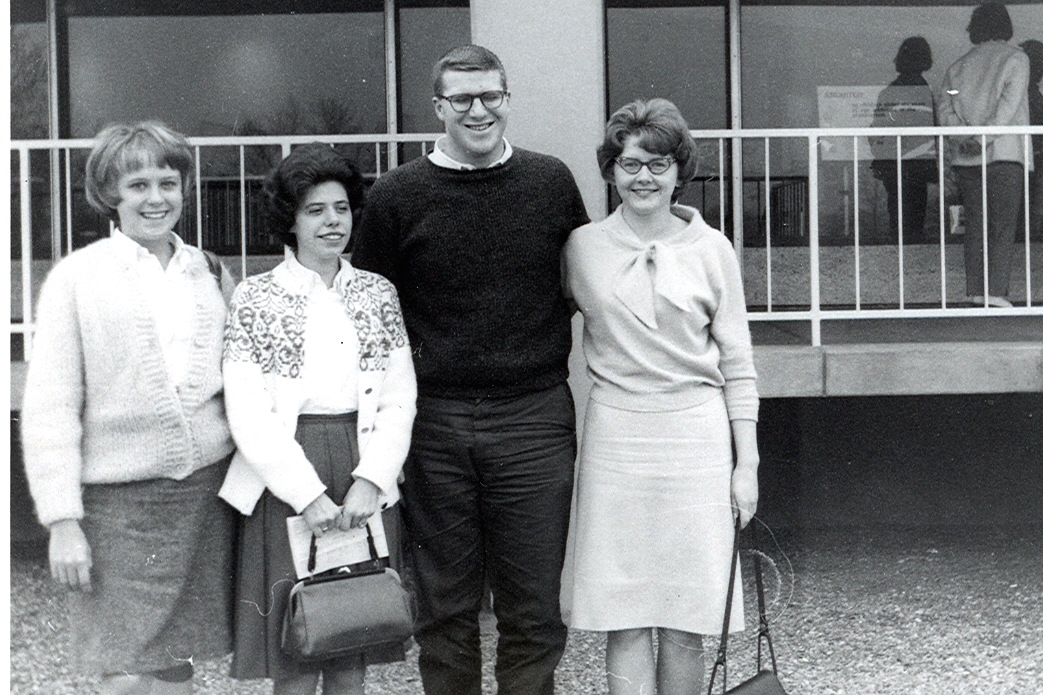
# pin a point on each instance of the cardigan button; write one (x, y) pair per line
(365, 429)
(368, 391)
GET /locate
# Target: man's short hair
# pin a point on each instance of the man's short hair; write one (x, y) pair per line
(123, 148)
(990, 22)
(467, 58)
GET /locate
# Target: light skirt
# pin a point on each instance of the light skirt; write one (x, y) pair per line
(653, 529)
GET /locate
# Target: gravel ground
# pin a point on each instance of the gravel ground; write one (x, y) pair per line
(868, 611)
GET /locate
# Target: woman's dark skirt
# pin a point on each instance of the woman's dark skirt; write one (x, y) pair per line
(265, 564)
(163, 556)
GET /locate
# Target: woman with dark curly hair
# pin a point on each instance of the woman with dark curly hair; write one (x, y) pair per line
(668, 349)
(988, 86)
(321, 395)
(124, 430)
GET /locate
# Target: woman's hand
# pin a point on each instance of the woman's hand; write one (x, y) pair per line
(360, 503)
(70, 555)
(321, 515)
(745, 490)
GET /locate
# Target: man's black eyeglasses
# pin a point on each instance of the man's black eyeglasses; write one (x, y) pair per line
(462, 103)
(657, 166)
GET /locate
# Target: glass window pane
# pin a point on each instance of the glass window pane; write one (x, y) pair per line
(789, 50)
(424, 34)
(29, 81)
(222, 75)
(673, 52)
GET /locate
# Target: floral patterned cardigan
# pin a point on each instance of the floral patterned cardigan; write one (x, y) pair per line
(264, 354)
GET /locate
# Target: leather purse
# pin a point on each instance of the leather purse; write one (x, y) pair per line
(766, 682)
(347, 610)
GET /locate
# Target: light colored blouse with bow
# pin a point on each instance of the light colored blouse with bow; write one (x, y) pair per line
(664, 322)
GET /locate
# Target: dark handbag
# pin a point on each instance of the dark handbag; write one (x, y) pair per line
(765, 682)
(347, 610)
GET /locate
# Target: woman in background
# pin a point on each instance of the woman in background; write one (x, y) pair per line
(988, 86)
(668, 349)
(321, 396)
(123, 426)
(906, 102)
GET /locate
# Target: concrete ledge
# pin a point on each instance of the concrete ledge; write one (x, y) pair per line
(936, 368)
(899, 369)
(789, 371)
(18, 370)
(869, 369)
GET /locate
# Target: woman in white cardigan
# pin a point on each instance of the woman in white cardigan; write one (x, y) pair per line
(321, 394)
(988, 86)
(124, 430)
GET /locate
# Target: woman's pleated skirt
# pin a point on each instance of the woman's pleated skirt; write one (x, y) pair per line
(653, 528)
(161, 580)
(265, 563)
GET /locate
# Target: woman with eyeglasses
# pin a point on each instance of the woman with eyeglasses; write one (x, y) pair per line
(668, 349)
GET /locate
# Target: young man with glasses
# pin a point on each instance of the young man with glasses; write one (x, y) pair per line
(471, 236)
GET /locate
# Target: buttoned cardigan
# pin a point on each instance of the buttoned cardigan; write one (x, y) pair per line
(265, 344)
(99, 404)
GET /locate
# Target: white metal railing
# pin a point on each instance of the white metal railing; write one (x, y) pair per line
(811, 305)
(816, 309)
(384, 156)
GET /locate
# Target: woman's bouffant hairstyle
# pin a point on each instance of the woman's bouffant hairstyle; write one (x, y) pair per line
(122, 148)
(914, 56)
(658, 127)
(288, 184)
(990, 22)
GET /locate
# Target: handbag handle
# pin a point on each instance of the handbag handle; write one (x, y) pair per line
(373, 554)
(763, 632)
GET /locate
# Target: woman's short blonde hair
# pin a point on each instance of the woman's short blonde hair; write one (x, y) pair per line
(658, 127)
(123, 148)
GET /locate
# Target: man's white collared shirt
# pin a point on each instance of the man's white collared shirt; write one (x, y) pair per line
(438, 157)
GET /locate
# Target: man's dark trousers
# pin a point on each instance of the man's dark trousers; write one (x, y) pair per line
(487, 493)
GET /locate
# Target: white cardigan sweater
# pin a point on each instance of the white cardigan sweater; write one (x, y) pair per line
(99, 404)
(988, 86)
(264, 354)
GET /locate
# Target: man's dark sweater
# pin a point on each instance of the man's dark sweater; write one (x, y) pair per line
(475, 256)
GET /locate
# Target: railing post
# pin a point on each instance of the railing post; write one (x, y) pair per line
(943, 218)
(390, 80)
(27, 250)
(816, 299)
(199, 201)
(242, 206)
(984, 225)
(737, 199)
(901, 224)
(767, 218)
(858, 250)
(1028, 216)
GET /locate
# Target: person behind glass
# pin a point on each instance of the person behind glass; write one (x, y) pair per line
(988, 86)
(894, 111)
(1034, 50)
(321, 396)
(674, 388)
(472, 236)
(124, 430)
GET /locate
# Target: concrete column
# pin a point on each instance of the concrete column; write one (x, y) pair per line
(554, 54)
